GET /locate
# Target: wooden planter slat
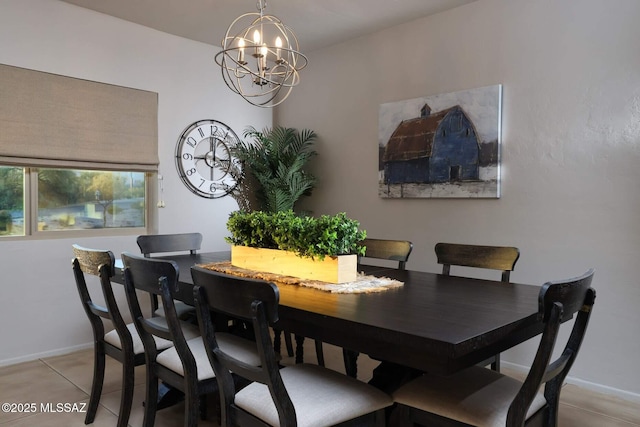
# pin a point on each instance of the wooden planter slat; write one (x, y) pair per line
(340, 269)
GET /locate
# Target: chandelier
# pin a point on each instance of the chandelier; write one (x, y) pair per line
(260, 59)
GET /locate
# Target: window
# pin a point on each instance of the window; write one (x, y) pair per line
(11, 201)
(62, 200)
(76, 156)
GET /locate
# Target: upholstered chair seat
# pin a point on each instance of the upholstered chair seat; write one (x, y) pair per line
(476, 396)
(113, 339)
(182, 310)
(333, 398)
(241, 348)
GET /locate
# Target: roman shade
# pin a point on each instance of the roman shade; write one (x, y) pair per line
(49, 120)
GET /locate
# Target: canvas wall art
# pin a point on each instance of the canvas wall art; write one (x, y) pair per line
(441, 146)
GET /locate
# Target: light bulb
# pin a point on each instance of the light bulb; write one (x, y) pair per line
(278, 47)
(241, 51)
(263, 51)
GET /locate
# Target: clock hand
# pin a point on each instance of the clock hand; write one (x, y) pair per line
(213, 160)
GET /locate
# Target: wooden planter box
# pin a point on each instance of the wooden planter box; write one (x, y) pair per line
(340, 269)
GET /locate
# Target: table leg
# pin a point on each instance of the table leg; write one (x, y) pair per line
(277, 340)
(299, 349)
(389, 376)
(288, 344)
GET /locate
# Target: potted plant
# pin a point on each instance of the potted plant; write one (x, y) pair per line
(321, 248)
(274, 162)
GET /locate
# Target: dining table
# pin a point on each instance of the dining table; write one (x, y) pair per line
(435, 323)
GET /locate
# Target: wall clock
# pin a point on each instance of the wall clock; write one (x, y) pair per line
(204, 160)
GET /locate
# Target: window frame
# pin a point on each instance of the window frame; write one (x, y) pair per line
(31, 231)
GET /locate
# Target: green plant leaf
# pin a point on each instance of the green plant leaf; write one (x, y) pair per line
(277, 159)
(328, 235)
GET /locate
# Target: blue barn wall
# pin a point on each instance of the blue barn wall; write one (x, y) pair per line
(399, 172)
(455, 147)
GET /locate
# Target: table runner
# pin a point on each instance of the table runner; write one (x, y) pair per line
(363, 284)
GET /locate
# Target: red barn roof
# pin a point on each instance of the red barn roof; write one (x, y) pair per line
(413, 138)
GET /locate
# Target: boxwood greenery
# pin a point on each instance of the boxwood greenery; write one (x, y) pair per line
(307, 236)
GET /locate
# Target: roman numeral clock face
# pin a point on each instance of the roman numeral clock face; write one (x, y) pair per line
(204, 159)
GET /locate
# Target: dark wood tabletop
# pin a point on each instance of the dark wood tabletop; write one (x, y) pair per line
(433, 322)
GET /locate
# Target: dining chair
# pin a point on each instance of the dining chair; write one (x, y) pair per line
(488, 257)
(481, 397)
(150, 244)
(297, 395)
(161, 243)
(396, 251)
(122, 343)
(392, 252)
(501, 258)
(185, 365)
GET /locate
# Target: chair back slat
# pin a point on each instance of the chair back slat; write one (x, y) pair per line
(164, 243)
(99, 310)
(159, 243)
(145, 275)
(572, 295)
(203, 296)
(157, 277)
(502, 258)
(90, 260)
(234, 295)
(390, 250)
(156, 330)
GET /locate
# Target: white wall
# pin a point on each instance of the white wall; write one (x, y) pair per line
(570, 72)
(39, 308)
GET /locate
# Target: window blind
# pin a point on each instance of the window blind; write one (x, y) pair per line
(50, 120)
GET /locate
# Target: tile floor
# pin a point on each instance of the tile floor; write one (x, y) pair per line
(67, 379)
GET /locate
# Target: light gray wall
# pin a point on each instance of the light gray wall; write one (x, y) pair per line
(570, 72)
(39, 308)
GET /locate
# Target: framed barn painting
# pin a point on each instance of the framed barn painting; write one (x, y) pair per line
(441, 146)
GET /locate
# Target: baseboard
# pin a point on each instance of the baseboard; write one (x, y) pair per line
(51, 353)
(587, 385)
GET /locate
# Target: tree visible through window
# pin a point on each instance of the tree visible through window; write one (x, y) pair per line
(11, 201)
(72, 200)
